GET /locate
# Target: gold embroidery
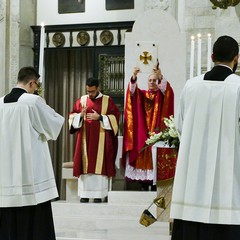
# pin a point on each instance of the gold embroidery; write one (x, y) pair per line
(114, 124)
(101, 144)
(84, 144)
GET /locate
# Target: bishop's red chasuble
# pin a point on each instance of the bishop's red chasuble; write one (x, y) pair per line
(144, 113)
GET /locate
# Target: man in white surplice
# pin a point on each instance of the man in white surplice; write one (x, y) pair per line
(27, 182)
(206, 192)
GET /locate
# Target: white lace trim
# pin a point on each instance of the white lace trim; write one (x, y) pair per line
(137, 174)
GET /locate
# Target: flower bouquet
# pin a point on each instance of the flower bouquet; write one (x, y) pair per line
(169, 135)
(166, 155)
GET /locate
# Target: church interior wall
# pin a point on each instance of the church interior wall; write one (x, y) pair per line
(192, 16)
(26, 34)
(197, 17)
(2, 45)
(170, 45)
(10, 25)
(94, 12)
(16, 44)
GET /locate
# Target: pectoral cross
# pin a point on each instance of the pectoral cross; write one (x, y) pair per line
(145, 57)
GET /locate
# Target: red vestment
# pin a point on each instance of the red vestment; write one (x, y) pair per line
(96, 148)
(144, 113)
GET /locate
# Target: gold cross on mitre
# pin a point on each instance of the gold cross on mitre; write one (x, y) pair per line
(145, 57)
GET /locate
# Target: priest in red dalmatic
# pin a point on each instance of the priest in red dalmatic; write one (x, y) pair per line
(144, 113)
(95, 118)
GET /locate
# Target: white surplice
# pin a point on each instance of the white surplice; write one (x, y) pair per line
(207, 180)
(26, 173)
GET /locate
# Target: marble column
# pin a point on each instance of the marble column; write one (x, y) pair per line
(9, 30)
(2, 45)
(16, 17)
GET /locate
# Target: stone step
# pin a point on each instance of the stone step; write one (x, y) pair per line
(99, 224)
(158, 230)
(131, 197)
(113, 231)
(98, 210)
(124, 204)
(113, 220)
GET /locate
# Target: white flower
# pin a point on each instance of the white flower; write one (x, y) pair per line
(169, 135)
(158, 135)
(173, 133)
(154, 137)
(169, 122)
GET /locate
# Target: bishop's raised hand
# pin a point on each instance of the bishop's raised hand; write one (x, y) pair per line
(136, 70)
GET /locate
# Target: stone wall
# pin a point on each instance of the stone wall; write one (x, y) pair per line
(193, 17)
(196, 16)
(2, 45)
(169, 6)
(27, 18)
(16, 17)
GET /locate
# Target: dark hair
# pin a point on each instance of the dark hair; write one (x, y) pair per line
(92, 82)
(26, 74)
(225, 49)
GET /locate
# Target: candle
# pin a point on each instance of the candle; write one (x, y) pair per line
(209, 46)
(192, 56)
(41, 55)
(199, 55)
